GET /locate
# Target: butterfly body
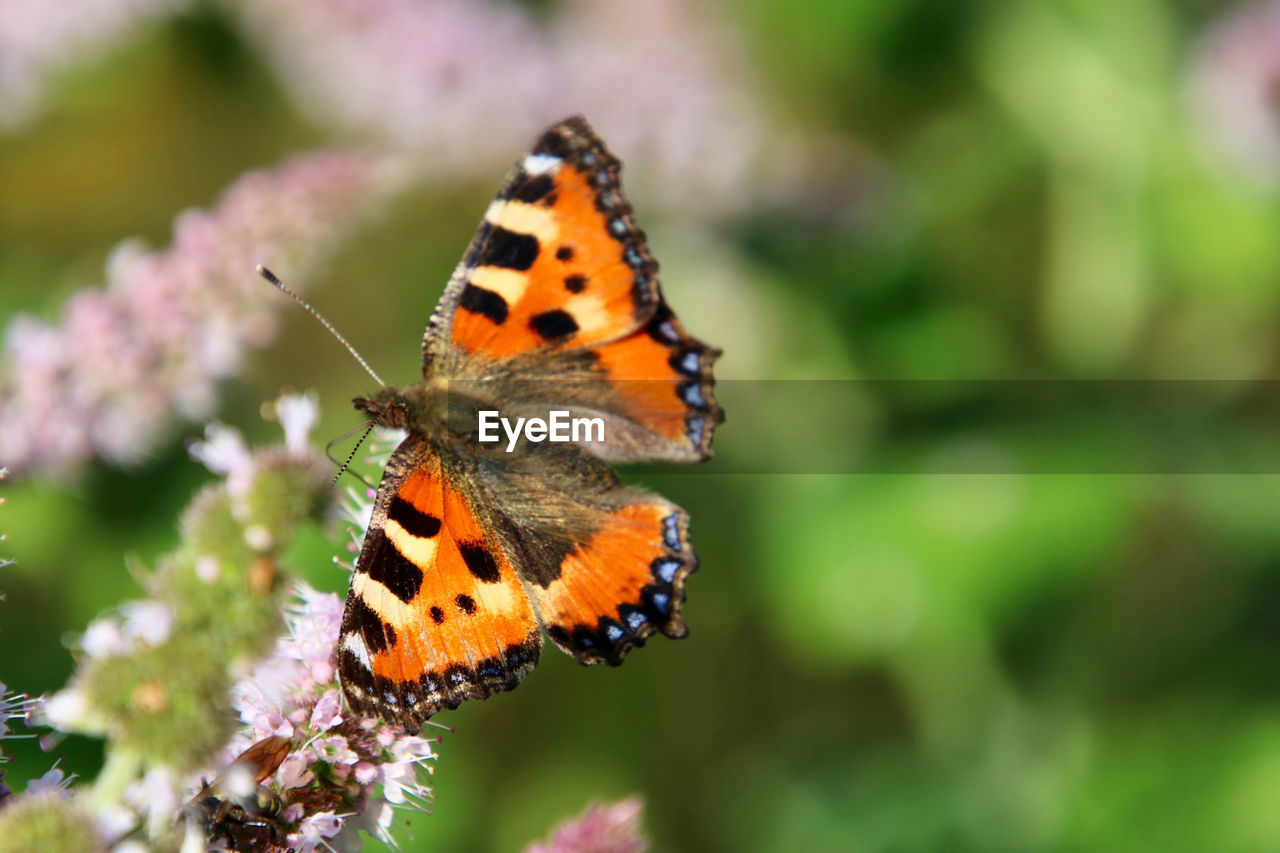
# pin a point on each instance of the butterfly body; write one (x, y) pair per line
(475, 547)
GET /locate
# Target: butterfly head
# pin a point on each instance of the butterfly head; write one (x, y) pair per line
(388, 408)
(427, 407)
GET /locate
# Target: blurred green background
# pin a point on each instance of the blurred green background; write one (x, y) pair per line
(923, 660)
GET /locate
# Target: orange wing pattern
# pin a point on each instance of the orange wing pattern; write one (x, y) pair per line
(557, 301)
(435, 614)
(661, 377)
(558, 260)
(560, 269)
(622, 585)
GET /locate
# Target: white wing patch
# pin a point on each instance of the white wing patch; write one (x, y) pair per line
(540, 164)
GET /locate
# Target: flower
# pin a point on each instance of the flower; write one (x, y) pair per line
(4, 561)
(298, 414)
(107, 378)
(103, 638)
(314, 830)
(224, 452)
(405, 72)
(667, 86)
(155, 798)
(67, 709)
(53, 780)
(38, 39)
(344, 772)
(611, 828)
(148, 621)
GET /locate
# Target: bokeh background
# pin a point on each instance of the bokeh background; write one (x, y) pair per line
(917, 631)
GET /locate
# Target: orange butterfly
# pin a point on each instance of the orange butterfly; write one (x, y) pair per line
(471, 548)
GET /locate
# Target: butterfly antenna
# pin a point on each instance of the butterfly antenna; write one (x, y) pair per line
(271, 277)
(350, 456)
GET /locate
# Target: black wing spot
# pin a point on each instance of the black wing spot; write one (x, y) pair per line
(479, 561)
(564, 253)
(560, 634)
(553, 324)
(466, 604)
(363, 620)
(534, 189)
(354, 671)
(509, 249)
(393, 570)
(413, 520)
(553, 143)
(437, 615)
(575, 283)
(477, 300)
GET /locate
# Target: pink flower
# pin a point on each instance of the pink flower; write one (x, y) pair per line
(601, 829)
(314, 830)
(664, 81)
(39, 39)
(669, 90)
(328, 711)
(405, 72)
(107, 378)
(53, 780)
(356, 766)
(334, 750)
(296, 772)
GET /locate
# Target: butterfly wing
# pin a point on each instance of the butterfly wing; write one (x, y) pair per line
(603, 564)
(559, 285)
(435, 614)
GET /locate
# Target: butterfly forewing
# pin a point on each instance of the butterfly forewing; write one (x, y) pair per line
(436, 614)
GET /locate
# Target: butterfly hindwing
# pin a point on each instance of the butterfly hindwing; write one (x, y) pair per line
(435, 614)
(603, 564)
(620, 586)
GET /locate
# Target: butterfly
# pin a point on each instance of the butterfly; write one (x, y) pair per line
(473, 551)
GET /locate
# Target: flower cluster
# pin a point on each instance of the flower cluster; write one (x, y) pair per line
(4, 561)
(666, 86)
(39, 39)
(155, 676)
(344, 773)
(103, 380)
(613, 828)
(13, 706)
